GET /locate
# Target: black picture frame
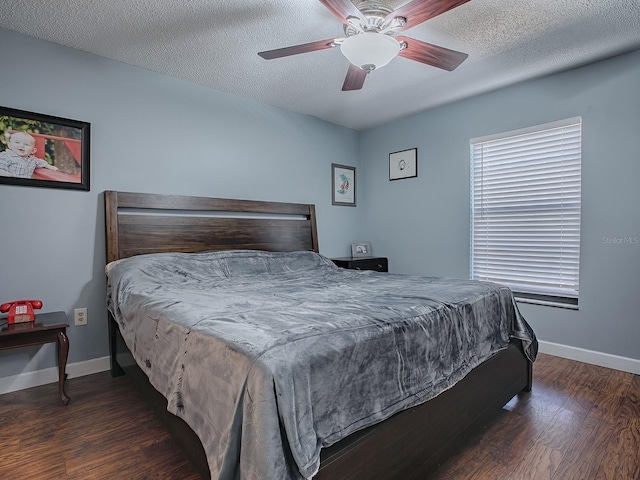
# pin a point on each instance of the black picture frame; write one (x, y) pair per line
(343, 185)
(62, 143)
(403, 164)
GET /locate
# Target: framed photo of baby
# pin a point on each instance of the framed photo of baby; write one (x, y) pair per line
(38, 150)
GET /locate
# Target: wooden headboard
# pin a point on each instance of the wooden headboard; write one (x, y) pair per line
(138, 223)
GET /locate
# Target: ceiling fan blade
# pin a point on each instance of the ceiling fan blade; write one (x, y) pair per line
(343, 9)
(430, 54)
(354, 79)
(418, 11)
(302, 48)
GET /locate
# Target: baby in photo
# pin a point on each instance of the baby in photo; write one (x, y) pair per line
(18, 160)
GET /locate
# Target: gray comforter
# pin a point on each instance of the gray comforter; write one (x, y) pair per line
(271, 356)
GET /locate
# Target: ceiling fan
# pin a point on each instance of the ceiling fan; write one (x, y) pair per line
(369, 41)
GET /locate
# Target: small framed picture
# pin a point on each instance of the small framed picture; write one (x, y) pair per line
(38, 150)
(403, 164)
(343, 185)
(360, 249)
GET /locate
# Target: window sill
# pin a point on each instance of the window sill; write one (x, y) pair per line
(546, 303)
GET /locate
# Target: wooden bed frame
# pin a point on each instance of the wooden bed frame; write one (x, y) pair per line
(410, 444)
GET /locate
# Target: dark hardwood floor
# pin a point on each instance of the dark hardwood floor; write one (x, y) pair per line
(106, 432)
(579, 422)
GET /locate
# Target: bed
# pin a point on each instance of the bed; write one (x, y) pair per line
(402, 429)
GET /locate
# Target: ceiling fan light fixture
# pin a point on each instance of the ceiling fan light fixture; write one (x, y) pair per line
(370, 50)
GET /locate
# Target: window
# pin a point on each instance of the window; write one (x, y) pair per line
(525, 211)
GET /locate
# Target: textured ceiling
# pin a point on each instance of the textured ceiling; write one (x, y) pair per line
(215, 43)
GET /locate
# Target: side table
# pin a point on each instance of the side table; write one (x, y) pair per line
(47, 328)
(379, 264)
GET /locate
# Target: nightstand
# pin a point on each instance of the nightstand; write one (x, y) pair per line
(379, 264)
(47, 328)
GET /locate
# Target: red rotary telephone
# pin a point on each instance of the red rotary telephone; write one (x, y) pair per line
(21, 310)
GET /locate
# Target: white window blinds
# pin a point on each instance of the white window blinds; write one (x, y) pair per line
(525, 210)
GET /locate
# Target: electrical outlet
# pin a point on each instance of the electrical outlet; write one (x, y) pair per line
(80, 316)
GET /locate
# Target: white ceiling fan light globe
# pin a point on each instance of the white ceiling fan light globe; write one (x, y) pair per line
(370, 50)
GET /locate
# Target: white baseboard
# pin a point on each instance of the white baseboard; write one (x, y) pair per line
(36, 378)
(589, 356)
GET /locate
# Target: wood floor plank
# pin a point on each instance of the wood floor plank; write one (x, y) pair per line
(613, 391)
(106, 432)
(621, 457)
(539, 463)
(622, 454)
(564, 424)
(583, 456)
(563, 427)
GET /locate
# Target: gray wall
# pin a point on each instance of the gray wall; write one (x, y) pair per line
(422, 224)
(150, 133)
